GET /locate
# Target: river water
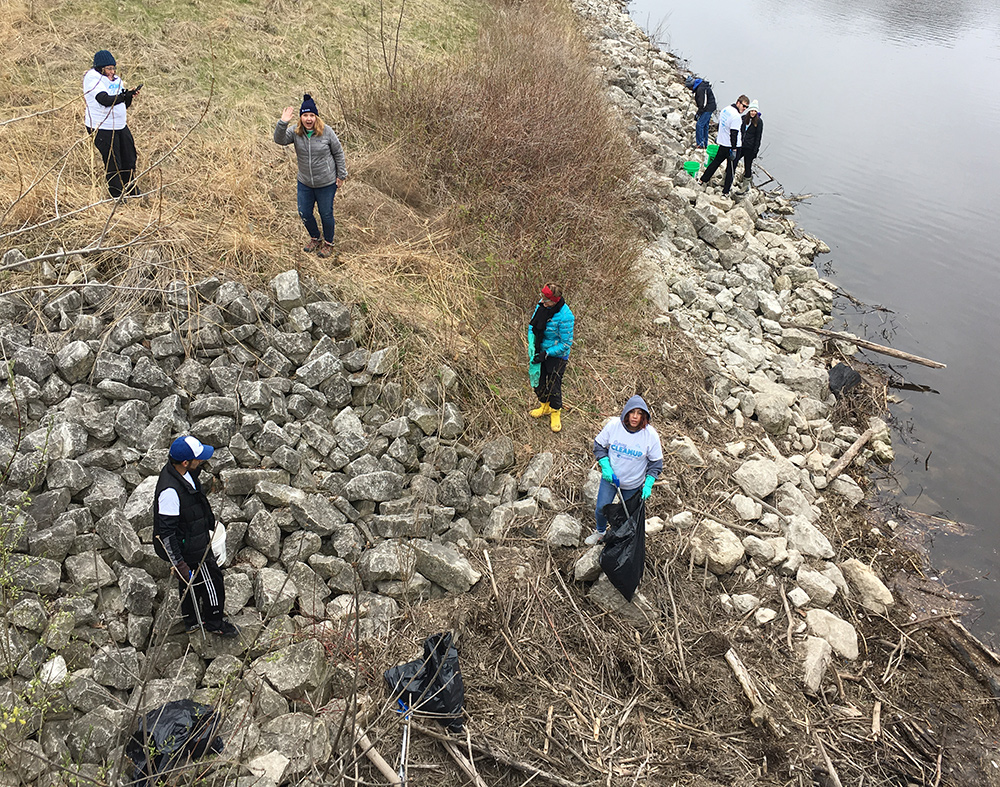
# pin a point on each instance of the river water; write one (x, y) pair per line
(888, 112)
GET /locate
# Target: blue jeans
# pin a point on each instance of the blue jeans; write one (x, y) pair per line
(701, 130)
(323, 199)
(606, 494)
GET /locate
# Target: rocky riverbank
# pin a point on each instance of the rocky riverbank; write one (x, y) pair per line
(361, 517)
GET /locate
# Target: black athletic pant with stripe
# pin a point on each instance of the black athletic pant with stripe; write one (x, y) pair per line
(209, 588)
(118, 152)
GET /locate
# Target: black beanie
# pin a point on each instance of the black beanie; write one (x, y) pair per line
(103, 59)
(308, 105)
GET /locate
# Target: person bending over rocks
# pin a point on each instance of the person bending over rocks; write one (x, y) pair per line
(550, 336)
(182, 534)
(322, 170)
(704, 99)
(728, 140)
(629, 452)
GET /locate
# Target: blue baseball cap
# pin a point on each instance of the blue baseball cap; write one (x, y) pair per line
(186, 448)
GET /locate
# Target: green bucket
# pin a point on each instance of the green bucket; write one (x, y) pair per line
(692, 167)
(712, 152)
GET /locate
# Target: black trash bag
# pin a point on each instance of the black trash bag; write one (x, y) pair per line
(170, 735)
(432, 684)
(624, 555)
(843, 378)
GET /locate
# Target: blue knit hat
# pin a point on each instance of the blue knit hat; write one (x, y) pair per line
(308, 105)
(103, 59)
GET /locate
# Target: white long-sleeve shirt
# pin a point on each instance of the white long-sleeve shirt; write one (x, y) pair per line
(97, 116)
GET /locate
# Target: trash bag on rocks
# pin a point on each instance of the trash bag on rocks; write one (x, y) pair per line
(624, 555)
(843, 378)
(433, 684)
(169, 736)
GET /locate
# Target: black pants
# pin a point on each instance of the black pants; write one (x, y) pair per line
(723, 154)
(549, 388)
(748, 167)
(208, 587)
(118, 151)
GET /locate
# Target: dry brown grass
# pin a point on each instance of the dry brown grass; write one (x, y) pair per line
(488, 164)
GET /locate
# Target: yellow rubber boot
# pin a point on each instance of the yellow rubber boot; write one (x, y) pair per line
(555, 420)
(542, 409)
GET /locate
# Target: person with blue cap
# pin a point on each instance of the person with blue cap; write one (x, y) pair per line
(630, 456)
(705, 105)
(182, 534)
(322, 170)
(106, 103)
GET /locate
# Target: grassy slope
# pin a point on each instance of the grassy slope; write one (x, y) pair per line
(488, 166)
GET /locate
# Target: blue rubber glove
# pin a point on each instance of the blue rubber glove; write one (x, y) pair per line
(606, 472)
(734, 153)
(647, 487)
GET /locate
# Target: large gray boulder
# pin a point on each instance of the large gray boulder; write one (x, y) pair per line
(757, 477)
(445, 566)
(303, 738)
(716, 546)
(379, 486)
(274, 592)
(841, 635)
(388, 560)
(871, 591)
(807, 539)
(296, 670)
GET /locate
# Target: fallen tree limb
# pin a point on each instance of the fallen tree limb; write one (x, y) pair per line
(465, 763)
(834, 778)
(867, 345)
(363, 742)
(841, 464)
(759, 714)
(499, 757)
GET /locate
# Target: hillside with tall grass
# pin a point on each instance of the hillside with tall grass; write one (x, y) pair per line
(483, 159)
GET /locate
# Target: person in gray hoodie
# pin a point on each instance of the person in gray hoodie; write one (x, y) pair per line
(629, 452)
(322, 170)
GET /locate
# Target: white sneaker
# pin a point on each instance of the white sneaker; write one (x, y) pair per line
(594, 538)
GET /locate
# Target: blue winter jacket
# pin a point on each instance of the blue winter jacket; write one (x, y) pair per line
(558, 336)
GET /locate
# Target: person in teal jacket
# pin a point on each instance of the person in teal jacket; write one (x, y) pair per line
(550, 337)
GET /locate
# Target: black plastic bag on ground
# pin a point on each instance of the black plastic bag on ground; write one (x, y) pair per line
(433, 684)
(169, 736)
(624, 555)
(843, 378)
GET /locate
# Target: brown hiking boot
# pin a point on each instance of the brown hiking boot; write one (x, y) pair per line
(312, 245)
(326, 250)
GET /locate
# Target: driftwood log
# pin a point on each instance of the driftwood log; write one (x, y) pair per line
(841, 464)
(867, 345)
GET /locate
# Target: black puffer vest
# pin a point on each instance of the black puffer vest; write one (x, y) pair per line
(194, 531)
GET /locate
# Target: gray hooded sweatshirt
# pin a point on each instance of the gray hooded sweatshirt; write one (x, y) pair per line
(633, 455)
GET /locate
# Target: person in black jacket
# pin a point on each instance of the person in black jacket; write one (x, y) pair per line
(704, 99)
(751, 132)
(182, 533)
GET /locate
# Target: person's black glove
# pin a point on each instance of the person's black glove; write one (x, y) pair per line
(540, 357)
(183, 571)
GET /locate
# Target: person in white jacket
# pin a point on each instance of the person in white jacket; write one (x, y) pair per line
(629, 452)
(106, 103)
(728, 139)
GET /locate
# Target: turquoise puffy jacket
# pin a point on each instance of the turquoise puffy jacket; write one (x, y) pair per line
(558, 336)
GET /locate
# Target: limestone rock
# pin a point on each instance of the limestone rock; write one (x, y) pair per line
(841, 635)
(564, 531)
(872, 592)
(757, 477)
(717, 546)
